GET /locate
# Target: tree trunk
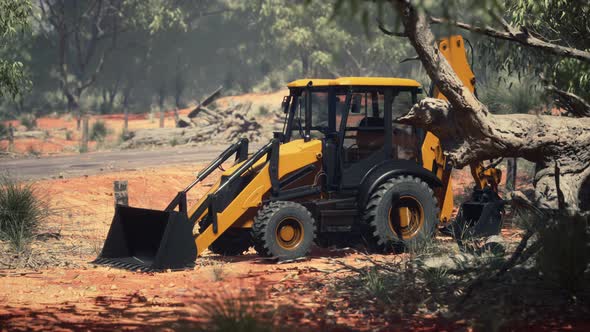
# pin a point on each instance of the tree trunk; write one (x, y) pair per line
(305, 64)
(126, 97)
(511, 168)
(161, 98)
(10, 137)
(74, 108)
(470, 133)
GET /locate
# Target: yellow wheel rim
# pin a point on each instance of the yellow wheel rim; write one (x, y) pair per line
(289, 233)
(406, 217)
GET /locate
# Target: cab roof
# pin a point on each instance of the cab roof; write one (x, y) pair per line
(355, 81)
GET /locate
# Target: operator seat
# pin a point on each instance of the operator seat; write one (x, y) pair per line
(370, 136)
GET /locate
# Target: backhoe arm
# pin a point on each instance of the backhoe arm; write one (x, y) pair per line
(453, 49)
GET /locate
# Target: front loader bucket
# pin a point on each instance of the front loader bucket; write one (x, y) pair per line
(148, 240)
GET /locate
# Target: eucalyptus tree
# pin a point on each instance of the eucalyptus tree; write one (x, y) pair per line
(14, 21)
(470, 133)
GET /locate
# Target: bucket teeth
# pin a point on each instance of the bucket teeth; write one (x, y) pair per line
(130, 263)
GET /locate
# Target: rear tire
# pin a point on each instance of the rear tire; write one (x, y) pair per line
(233, 242)
(283, 229)
(402, 213)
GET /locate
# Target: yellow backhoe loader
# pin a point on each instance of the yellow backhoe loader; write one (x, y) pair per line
(341, 168)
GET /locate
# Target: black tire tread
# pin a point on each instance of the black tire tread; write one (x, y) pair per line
(369, 220)
(262, 219)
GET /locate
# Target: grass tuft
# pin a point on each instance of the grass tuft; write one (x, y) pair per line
(21, 212)
(29, 121)
(99, 131)
(241, 313)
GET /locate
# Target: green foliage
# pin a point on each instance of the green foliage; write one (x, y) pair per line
(3, 130)
(21, 212)
(14, 18)
(174, 142)
(562, 22)
(509, 95)
(32, 151)
(98, 131)
(28, 120)
(242, 313)
(263, 110)
(376, 284)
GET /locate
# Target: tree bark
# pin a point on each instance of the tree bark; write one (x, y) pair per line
(470, 133)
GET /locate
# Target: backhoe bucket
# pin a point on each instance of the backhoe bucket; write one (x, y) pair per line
(479, 217)
(148, 240)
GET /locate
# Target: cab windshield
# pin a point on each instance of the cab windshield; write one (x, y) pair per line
(319, 114)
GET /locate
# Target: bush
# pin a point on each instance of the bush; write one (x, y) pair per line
(29, 121)
(98, 131)
(564, 253)
(174, 142)
(240, 313)
(31, 150)
(21, 212)
(3, 131)
(263, 110)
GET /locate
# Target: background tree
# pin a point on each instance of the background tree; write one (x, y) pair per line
(13, 22)
(469, 132)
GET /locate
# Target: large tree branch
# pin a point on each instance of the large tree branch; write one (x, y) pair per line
(519, 35)
(571, 102)
(469, 133)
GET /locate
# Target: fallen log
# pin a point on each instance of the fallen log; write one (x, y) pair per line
(208, 100)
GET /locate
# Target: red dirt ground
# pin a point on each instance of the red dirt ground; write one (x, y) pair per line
(76, 295)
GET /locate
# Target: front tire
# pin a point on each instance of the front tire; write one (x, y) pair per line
(402, 213)
(283, 229)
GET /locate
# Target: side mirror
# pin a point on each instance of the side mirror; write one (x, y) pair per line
(356, 104)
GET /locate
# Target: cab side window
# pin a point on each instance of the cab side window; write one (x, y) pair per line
(405, 140)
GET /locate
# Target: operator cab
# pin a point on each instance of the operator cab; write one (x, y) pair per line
(354, 118)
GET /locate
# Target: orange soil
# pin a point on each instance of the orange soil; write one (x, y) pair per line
(89, 297)
(99, 298)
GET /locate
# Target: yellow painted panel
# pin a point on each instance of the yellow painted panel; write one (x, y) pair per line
(356, 81)
(293, 156)
(453, 49)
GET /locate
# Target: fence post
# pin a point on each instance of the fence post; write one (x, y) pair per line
(121, 195)
(162, 114)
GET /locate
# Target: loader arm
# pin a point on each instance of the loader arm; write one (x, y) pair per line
(453, 49)
(290, 157)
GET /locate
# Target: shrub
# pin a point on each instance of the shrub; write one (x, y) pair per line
(3, 131)
(31, 150)
(240, 313)
(98, 131)
(263, 110)
(29, 121)
(564, 254)
(174, 142)
(21, 212)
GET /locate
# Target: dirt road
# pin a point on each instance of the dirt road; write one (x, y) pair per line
(96, 162)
